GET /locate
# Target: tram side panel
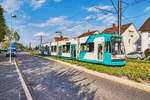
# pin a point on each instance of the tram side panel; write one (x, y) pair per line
(92, 49)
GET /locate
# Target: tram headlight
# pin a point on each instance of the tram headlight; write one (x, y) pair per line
(118, 57)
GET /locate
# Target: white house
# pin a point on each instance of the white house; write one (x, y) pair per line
(129, 33)
(145, 35)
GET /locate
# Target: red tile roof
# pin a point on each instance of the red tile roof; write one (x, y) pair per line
(56, 39)
(88, 33)
(115, 29)
(145, 26)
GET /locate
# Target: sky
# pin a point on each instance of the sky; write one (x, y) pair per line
(71, 17)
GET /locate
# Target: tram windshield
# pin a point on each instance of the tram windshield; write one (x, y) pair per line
(117, 46)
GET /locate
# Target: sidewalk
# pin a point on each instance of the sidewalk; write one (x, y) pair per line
(10, 86)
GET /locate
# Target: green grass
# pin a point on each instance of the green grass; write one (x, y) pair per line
(139, 61)
(132, 70)
(33, 52)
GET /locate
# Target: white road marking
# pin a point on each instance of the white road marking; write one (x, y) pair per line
(26, 90)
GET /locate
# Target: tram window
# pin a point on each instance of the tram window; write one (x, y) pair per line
(68, 47)
(64, 48)
(54, 49)
(83, 47)
(90, 47)
(107, 47)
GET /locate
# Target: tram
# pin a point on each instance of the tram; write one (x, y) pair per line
(104, 49)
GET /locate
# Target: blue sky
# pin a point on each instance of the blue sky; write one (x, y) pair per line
(72, 17)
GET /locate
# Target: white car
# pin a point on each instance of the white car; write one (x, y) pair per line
(12, 51)
(135, 55)
(148, 58)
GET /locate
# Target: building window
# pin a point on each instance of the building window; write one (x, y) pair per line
(148, 45)
(129, 41)
(148, 34)
(131, 33)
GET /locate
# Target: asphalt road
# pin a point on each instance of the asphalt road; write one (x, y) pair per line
(10, 85)
(54, 81)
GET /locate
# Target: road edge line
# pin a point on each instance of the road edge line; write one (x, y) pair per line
(26, 90)
(105, 76)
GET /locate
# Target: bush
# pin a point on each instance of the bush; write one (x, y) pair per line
(147, 52)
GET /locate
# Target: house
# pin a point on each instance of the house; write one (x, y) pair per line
(89, 33)
(56, 39)
(129, 33)
(145, 35)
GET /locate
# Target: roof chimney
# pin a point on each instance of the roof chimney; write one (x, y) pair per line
(113, 26)
(114, 31)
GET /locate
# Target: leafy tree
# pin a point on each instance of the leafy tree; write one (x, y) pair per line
(5, 44)
(36, 48)
(13, 36)
(147, 52)
(2, 25)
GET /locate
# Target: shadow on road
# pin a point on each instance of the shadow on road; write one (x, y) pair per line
(54, 81)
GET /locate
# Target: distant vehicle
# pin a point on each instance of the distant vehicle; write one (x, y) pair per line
(135, 55)
(12, 51)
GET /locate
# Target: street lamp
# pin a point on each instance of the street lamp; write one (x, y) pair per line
(11, 16)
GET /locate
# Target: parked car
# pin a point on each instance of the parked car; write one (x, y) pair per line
(135, 55)
(148, 58)
(12, 51)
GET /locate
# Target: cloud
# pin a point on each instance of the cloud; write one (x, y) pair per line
(56, 21)
(35, 4)
(80, 29)
(57, 0)
(104, 18)
(90, 17)
(12, 5)
(107, 19)
(94, 8)
(41, 34)
(147, 9)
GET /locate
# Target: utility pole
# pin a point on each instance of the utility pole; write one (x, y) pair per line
(41, 39)
(29, 45)
(119, 17)
(11, 33)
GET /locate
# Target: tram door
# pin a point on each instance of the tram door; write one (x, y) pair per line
(100, 54)
(59, 50)
(73, 51)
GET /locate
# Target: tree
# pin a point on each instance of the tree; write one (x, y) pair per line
(36, 48)
(147, 52)
(2, 25)
(5, 44)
